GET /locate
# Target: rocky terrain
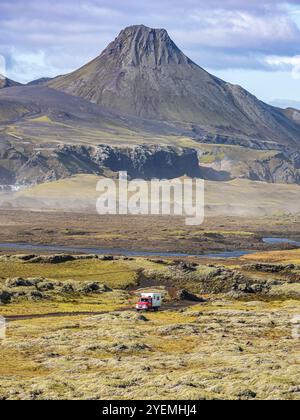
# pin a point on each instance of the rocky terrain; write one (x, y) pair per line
(26, 167)
(274, 167)
(224, 331)
(244, 282)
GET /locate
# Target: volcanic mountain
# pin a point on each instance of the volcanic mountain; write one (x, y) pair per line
(144, 107)
(143, 73)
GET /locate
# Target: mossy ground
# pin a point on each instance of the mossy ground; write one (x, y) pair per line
(280, 257)
(69, 304)
(220, 350)
(117, 274)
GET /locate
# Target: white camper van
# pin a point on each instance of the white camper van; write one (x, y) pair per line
(149, 302)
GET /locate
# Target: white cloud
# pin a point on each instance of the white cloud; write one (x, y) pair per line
(291, 64)
(238, 29)
(29, 66)
(52, 37)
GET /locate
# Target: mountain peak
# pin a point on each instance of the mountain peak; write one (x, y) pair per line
(143, 73)
(142, 29)
(140, 45)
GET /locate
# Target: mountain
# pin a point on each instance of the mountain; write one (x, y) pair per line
(143, 73)
(40, 82)
(5, 82)
(47, 135)
(144, 107)
(285, 103)
(39, 106)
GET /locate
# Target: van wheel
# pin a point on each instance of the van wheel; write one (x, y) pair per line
(155, 309)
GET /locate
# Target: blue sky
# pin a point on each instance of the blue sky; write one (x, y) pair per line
(253, 43)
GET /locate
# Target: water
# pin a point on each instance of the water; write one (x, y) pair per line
(120, 251)
(273, 241)
(130, 253)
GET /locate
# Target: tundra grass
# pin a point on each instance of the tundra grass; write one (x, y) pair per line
(116, 274)
(226, 353)
(69, 304)
(284, 257)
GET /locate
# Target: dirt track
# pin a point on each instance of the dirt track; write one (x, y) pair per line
(170, 306)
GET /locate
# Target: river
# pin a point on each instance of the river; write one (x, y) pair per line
(35, 248)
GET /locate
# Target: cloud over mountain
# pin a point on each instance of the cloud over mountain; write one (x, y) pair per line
(43, 38)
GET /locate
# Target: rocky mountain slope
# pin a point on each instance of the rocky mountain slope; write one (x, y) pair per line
(47, 135)
(143, 73)
(5, 82)
(31, 166)
(35, 104)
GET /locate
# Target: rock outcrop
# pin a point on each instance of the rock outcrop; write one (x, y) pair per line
(66, 160)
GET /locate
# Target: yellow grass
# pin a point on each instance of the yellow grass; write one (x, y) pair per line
(116, 274)
(68, 304)
(287, 257)
(42, 119)
(193, 354)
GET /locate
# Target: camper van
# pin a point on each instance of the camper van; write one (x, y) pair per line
(149, 302)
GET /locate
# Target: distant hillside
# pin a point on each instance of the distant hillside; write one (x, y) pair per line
(285, 103)
(234, 198)
(39, 82)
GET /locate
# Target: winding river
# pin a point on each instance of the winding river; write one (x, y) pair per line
(130, 253)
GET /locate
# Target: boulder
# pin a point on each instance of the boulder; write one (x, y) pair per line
(45, 286)
(93, 287)
(187, 267)
(142, 318)
(52, 259)
(106, 258)
(5, 297)
(25, 257)
(247, 394)
(36, 295)
(68, 288)
(183, 294)
(19, 282)
(119, 347)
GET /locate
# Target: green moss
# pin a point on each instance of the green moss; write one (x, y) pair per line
(116, 274)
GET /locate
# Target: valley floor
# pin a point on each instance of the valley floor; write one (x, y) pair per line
(143, 233)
